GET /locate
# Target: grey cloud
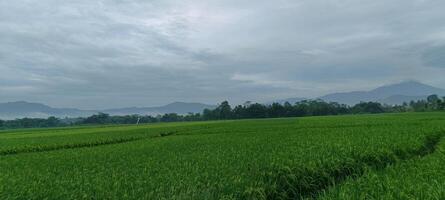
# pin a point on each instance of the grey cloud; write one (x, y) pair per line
(131, 52)
(434, 57)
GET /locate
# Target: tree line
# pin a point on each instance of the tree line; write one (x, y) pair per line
(96, 119)
(224, 111)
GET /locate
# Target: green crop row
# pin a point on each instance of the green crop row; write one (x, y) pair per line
(303, 183)
(247, 159)
(422, 178)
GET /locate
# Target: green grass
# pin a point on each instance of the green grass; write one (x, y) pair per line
(247, 159)
(421, 178)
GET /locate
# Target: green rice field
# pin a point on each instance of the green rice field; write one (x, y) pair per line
(387, 156)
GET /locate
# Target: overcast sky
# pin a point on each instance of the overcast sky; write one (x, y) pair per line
(117, 53)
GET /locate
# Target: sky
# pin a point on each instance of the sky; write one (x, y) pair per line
(118, 53)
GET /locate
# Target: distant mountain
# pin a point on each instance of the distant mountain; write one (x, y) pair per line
(390, 94)
(177, 107)
(21, 109)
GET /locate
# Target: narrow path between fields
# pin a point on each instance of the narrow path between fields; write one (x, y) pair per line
(288, 184)
(36, 149)
(309, 183)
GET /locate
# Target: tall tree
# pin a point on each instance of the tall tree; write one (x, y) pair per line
(224, 110)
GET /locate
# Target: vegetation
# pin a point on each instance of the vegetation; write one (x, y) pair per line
(317, 108)
(422, 178)
(291, 158)
(247, 111)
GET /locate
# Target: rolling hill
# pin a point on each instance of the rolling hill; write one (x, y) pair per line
(389, 94)
(176, 107)
(21, 109)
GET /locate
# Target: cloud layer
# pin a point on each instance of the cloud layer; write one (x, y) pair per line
(112, 53)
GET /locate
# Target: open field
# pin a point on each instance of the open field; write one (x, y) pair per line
(398, 156)
(421, 178)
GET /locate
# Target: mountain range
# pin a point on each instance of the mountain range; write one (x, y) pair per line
(388, 94)
(176, 107)
(21, 109)
(394, 94)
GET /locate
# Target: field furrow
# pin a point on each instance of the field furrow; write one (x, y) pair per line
(303, 183)
(35, 149)
(421, 178)
(248, 159)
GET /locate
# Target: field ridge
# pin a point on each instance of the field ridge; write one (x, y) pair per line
(296, 158)
(309, 183)
(37, 149)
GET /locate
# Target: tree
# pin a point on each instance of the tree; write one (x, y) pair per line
(239, 112)
(192, 117)
(433, 98)
(224, 110)
(434, 102)
(419, 106)
(100, 118)
(170, 117)
(442, 105)
(208, 114)
(276, 110)
(52, 122)
(256, 110)
(368, 107)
